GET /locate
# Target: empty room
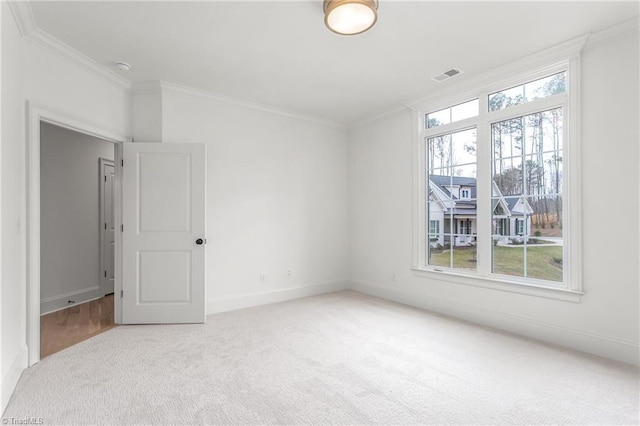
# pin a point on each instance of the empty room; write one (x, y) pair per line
(320, 212)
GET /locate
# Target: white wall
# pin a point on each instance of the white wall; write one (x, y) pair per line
(606, 322)
(277, 199)
(13, 310)
(2, 73)
(70, 216)
(31, 73)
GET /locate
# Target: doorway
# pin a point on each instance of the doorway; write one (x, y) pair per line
(42, 117)
(76, 236)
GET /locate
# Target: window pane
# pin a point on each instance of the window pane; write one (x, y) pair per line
(546, 217)
(452, 223)
(507, 138)
(465, 110)
(438, 118)
(544, 87)
(533, 176)
(439, 255)
(463, 186)
(528, 92)
(452, 114)
(463, 147)
(544, 260)
(542, 174)
(508, 177)
(553, 140)
(506, 98)
(439, 151)
(460, 256)
(508, 259)
(464, 255)
(527, 196)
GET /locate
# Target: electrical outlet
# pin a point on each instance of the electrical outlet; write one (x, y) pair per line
(393, 277)
(263, 277)
(289, 273)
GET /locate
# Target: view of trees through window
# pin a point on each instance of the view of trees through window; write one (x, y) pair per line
(527, 171)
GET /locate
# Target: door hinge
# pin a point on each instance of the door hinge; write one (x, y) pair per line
(105, 225)
(122, 163)
(105, 178)
(105, 274)
(121, 228)
(121, 294)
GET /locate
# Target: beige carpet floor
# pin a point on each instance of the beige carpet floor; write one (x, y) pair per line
(340, 358)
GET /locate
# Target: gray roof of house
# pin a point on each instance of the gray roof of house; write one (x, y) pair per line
(512, 200)
(443, 181)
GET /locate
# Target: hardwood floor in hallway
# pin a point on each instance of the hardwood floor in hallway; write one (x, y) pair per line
(64, 328)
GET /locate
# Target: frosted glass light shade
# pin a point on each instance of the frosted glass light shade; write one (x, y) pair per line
(349, 17)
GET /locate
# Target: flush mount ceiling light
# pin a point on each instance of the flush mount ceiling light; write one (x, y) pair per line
(350, 17)
(122, 66)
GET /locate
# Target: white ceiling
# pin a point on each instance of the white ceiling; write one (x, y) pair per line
(279, 53)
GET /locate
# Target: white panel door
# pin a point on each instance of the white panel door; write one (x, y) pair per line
(163, 263)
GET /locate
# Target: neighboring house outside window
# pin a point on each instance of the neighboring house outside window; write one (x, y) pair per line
(446, 207)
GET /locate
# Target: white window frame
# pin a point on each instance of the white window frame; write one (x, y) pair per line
(564, 57)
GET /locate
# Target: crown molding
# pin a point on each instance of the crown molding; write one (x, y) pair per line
(29, 30)
(21, 11)
(190, 91)
(611, 33)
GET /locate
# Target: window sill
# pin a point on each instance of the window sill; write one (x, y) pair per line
(498, 284)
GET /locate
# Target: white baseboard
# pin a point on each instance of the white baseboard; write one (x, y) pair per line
(10, 380)
(231, 303)
(56, 303)
(604, 346)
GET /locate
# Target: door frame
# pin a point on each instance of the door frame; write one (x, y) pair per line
(102, 162)
(36, 114)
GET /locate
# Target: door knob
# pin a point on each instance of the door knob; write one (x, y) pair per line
(200, 241)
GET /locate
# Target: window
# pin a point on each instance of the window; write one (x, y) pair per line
(500, 228)
(451, 164)
(434, 227)
(465, 227)
(495, 172)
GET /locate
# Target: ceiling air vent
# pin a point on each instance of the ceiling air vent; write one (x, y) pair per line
(446, 75)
